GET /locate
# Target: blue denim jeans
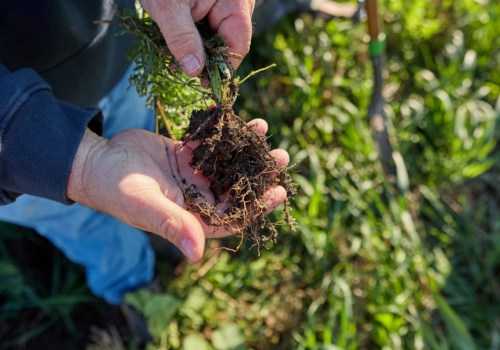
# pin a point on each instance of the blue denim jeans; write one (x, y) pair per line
(116, 257)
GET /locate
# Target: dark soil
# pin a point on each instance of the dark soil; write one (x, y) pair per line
(240, 169)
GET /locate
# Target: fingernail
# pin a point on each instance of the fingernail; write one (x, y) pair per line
(187, 247)
(190, 64)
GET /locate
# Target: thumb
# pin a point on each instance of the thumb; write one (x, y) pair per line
(183, 40)
(176, 224)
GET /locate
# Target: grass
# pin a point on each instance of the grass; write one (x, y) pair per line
(370, 266)
(38, 290)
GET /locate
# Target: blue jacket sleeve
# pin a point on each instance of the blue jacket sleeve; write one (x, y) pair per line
(39, 136)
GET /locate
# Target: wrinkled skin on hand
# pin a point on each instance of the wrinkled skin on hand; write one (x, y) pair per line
(137, 177)
(176, 18)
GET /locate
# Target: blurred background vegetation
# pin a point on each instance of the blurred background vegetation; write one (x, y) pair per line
(371, 266)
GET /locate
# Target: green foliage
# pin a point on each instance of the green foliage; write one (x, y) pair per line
(459, 335)
(31, 302)
(159, 309)
(157, 74)
(229, 337)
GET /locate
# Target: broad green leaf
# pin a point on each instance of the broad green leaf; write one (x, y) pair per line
(229, 337)
(195, 342)
(158, 309)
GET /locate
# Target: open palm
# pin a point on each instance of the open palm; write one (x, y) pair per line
(137, 177)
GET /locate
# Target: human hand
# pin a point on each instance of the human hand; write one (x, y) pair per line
(137, 177)
(176, 18)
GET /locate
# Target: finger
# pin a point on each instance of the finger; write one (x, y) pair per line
(281, 157)
(273, 197)
(177, 26)
(259, 126)
(232, 20)
(174, 223)
(201, 8)
(215, 231)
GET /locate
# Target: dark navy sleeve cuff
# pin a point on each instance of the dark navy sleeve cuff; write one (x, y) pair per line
(39, 137)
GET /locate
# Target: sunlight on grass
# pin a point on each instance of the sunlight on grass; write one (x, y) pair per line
(368, 267)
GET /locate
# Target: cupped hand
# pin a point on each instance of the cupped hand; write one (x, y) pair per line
(176, 19)
(137, 177)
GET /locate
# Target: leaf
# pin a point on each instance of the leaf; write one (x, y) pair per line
(195, 342)
(429, 336)
(158, 309)
(476, 169)
(459, 334)
(229, 337)
(13, 284)
(402, 177)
